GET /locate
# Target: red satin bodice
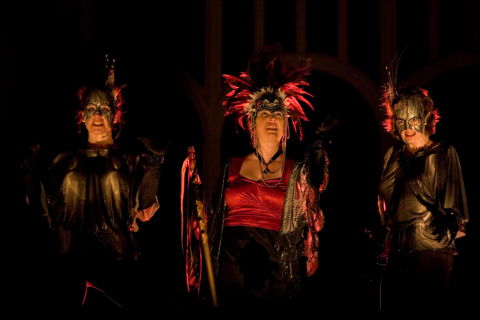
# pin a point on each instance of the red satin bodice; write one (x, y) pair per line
(252, 203)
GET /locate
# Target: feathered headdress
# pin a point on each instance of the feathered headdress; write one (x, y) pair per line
(267, 79)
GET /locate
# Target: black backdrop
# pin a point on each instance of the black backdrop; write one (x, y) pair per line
(48, 50)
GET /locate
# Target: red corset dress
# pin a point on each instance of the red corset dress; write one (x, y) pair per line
(253, 204)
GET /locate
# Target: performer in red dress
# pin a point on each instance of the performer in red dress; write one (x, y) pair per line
(267, 212)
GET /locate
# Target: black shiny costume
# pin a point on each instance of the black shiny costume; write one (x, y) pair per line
(93, 196)
(423, 206)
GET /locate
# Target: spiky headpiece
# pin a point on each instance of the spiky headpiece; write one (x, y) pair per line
(267, 81)
(393, 96)
(109, 94)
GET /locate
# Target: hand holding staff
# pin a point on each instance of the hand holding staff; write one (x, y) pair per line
(195, 226)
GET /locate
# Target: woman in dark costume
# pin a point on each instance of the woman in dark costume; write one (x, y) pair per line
(267, 211)
(92, 197)
(422, 204)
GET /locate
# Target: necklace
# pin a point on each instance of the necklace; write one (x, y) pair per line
(275, 156)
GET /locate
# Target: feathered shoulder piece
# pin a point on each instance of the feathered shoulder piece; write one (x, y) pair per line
(267, 80)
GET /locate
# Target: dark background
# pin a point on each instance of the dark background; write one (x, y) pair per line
(48, 50)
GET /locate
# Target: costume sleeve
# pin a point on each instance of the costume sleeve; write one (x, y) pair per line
(147, 190)
(451, 190)
(381, 201)
(381, 205)
(30, 167)
(151, 161)
(39, 183)
(318, 160)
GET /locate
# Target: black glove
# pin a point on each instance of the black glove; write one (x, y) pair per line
(316, 158)
(446, 220)
(453, 222)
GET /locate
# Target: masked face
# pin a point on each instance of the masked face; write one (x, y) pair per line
(97, 120)
(98, 115)
(97, 102)
(270, 120)
(271, 103)
(409, 117)
(410, 124)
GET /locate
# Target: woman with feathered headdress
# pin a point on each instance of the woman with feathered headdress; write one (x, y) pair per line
(267, 214)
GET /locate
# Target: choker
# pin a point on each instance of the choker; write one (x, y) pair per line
(275, 156)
